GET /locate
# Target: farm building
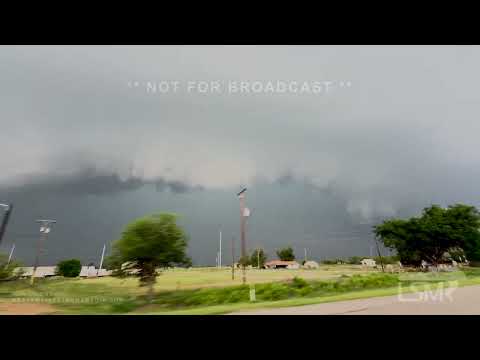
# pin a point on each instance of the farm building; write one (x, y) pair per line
(279, 264)
(91, 271)
(42, 271)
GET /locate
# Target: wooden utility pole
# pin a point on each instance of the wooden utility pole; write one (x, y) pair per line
(44, 230)
(241, 196)
(379, 255)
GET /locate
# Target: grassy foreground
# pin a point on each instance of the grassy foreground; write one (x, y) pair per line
(208, 291)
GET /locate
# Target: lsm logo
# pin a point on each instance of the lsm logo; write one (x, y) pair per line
(429, 287)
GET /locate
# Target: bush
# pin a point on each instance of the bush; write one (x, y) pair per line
(329, 261)
(7, 270)
(298, 282)
(354, 260)
(69, 268)
(386, 260)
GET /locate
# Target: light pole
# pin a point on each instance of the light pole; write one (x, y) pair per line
(44, 230)
(8, 210)
(11, 254)
(244, 213)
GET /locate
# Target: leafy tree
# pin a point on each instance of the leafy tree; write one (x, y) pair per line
(149, 243)
(69, 268)
(434, 233)
(7, 271)
(257, 258)
(286, 254)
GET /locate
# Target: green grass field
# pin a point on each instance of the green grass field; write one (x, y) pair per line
(208, 290)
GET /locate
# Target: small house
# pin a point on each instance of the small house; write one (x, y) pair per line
(369, 263)
(280, 264)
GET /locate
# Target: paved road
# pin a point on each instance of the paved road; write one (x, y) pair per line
(455, 301)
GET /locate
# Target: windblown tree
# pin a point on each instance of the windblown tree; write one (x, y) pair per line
(150, 243)
(7, 269)
(434, 233)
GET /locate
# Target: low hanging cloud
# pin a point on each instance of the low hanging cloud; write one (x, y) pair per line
(397, 128)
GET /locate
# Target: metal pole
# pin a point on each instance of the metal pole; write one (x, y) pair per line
(258, 258)
(11, 253)
(101, 259)
(305, 254)
(220, 254)
(6, 217)
(233, 258)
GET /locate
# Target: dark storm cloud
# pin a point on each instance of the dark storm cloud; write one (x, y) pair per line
(90, 182)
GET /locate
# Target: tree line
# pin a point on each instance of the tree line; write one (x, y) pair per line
(436, 235)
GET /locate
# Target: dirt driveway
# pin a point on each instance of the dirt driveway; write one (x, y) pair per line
(25, 309)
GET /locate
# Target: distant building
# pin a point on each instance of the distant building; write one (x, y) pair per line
(48, 271)
(91, 271)
(41, 272)
(369, 262)
(279, 264)
(311, 265)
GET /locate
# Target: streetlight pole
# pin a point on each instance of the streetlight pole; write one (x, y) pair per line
(8, 210)
(44, 230)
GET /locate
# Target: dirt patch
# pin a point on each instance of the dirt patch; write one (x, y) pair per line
(26, 309)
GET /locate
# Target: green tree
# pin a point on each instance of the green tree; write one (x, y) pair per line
(150, 243)
(257, 258)
(7, 270)
(69, 268)
(431, 235)
(245, 260)
(286, 254)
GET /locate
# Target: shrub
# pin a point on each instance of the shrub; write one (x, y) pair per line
(7, 270)
(354, 260)
(298, 282)
(329, 261)
(69, 268)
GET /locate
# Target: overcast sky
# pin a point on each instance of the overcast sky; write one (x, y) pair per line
(85, 141)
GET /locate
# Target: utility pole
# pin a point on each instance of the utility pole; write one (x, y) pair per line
(233, 258)
(258, 258)
(44, 230)
(243, 212)
(305, 254)
(379, 255)
(6, 216)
